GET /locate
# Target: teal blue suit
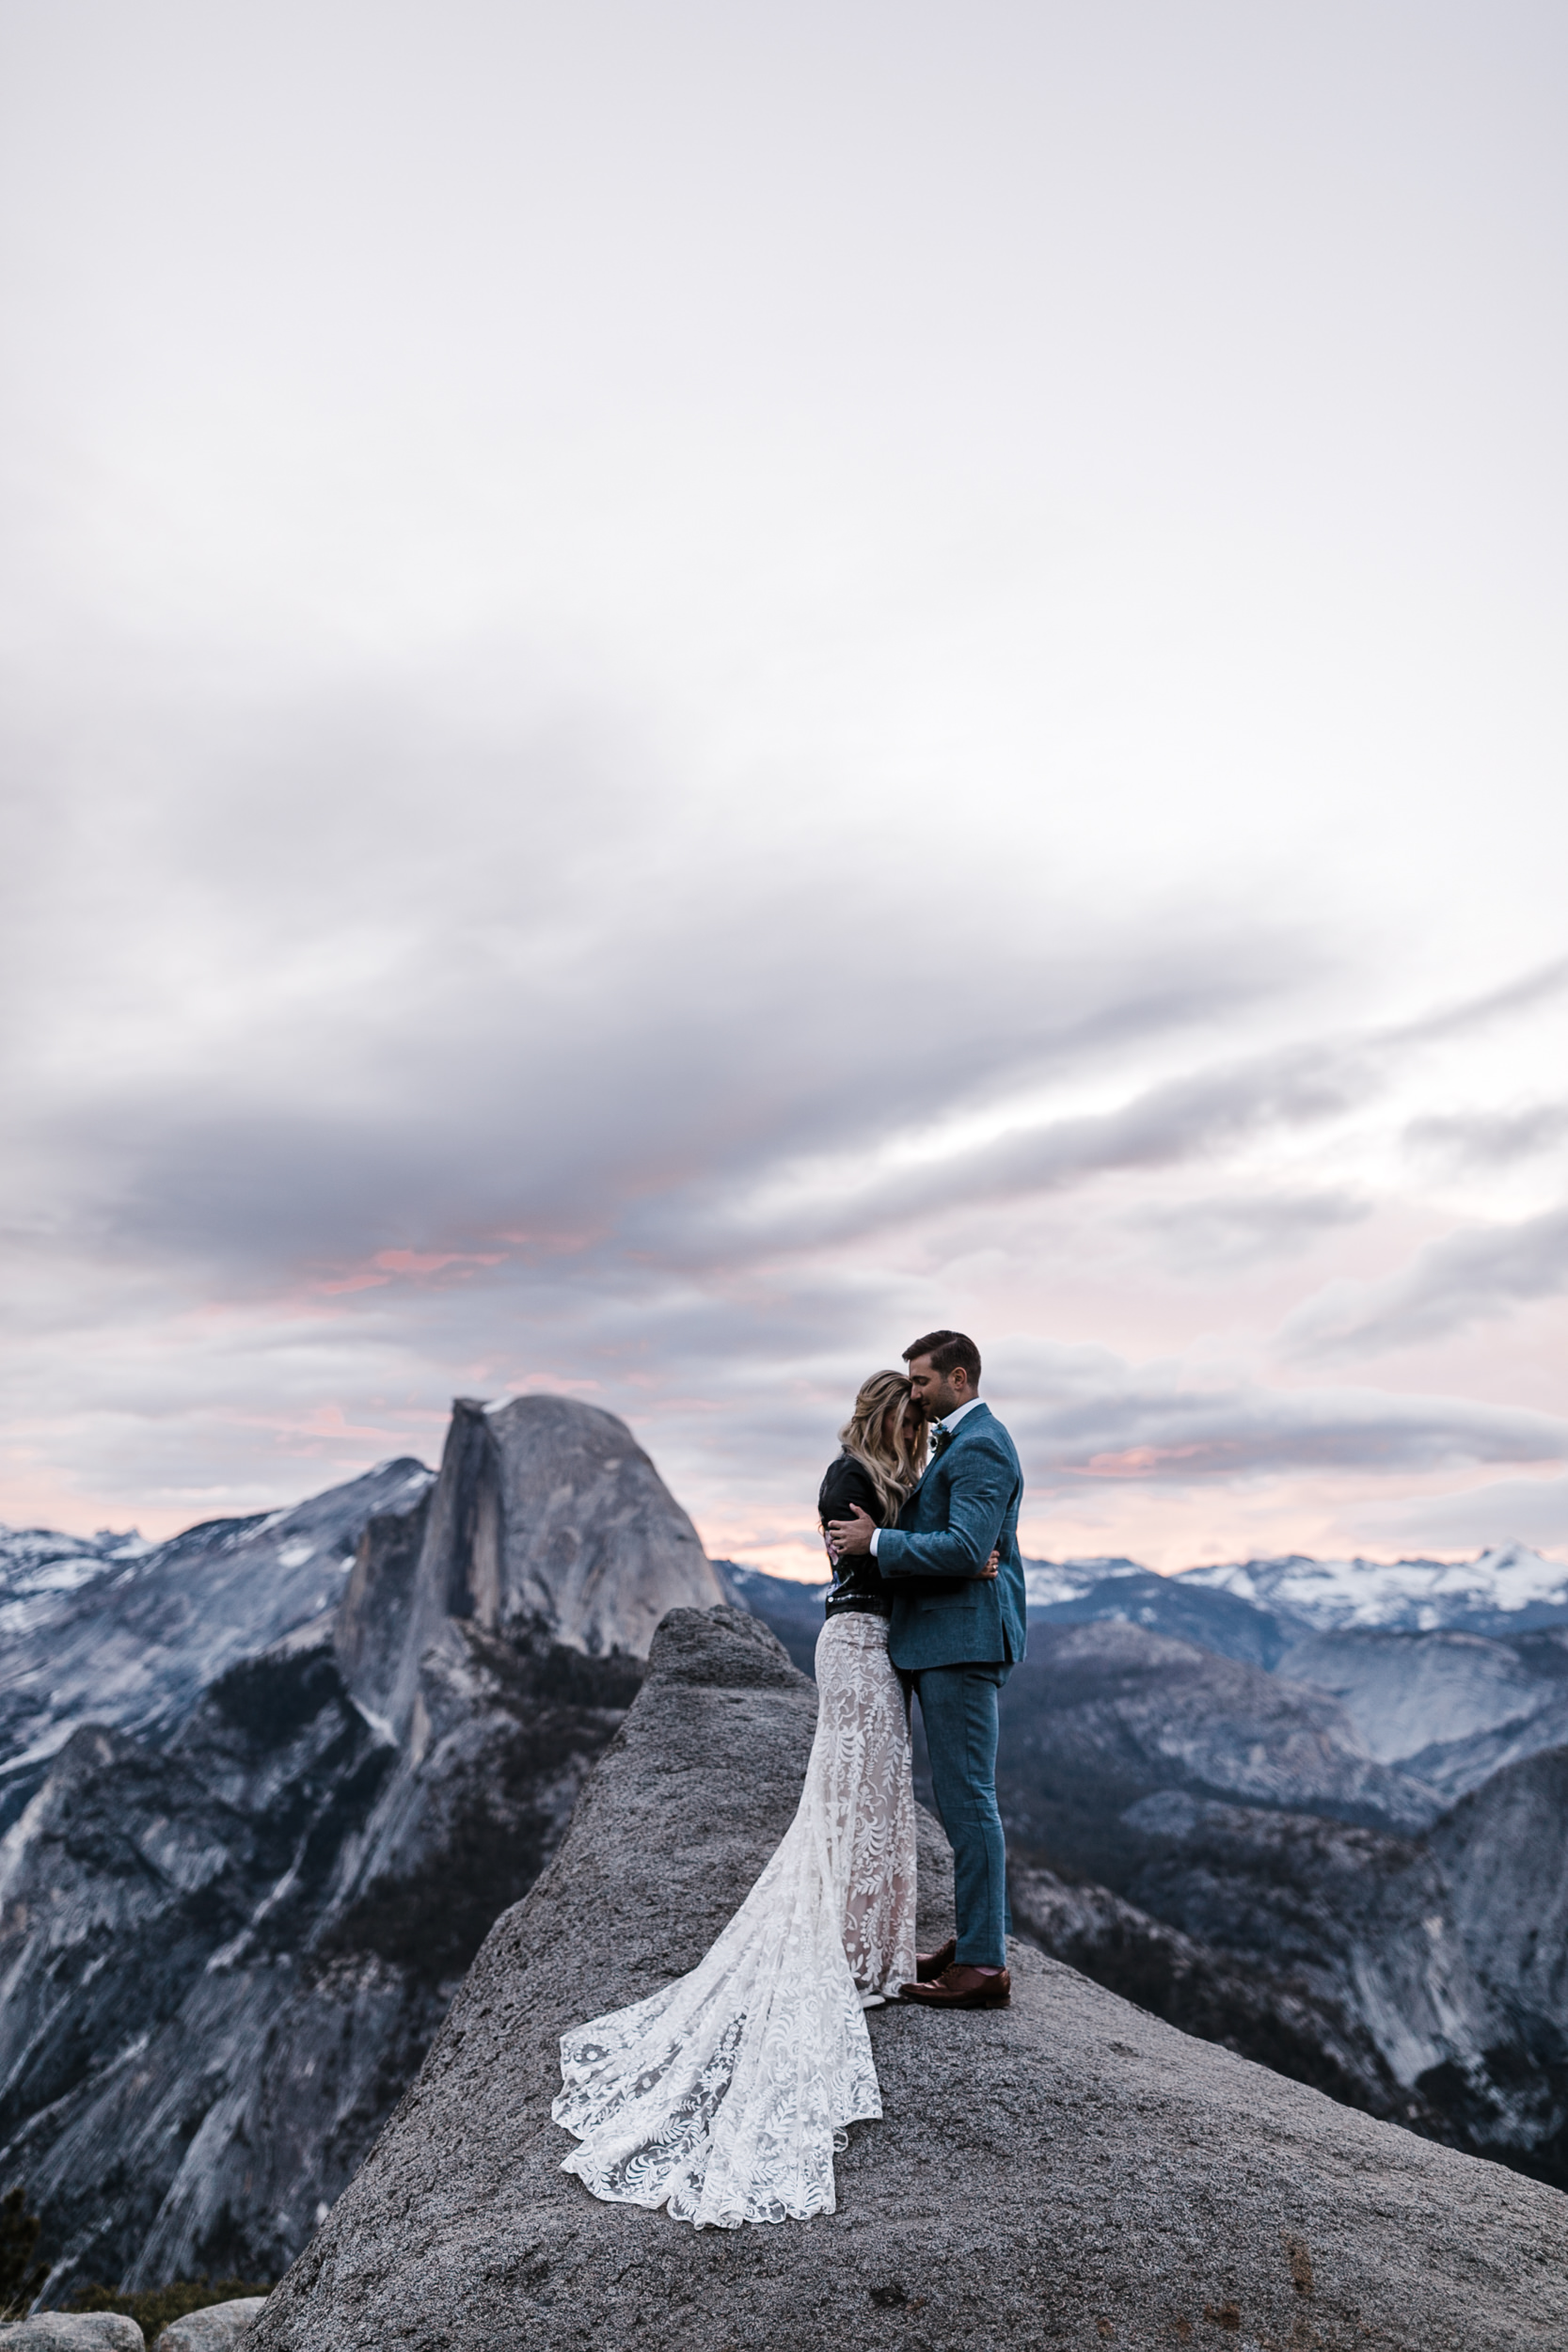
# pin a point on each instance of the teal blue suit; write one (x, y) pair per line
(955, 1637)
(964, 1508)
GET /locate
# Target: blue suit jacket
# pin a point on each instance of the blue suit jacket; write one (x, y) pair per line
(964, 1508)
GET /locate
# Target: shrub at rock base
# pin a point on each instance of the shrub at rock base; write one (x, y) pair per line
(20, 2276)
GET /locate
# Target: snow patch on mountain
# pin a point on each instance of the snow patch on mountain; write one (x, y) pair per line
(41, 1560)
(1048, 1582)
(1507, 1583)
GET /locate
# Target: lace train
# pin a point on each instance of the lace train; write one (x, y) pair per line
(721, 2096)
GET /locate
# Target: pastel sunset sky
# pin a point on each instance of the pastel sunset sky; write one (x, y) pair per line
(689, 687)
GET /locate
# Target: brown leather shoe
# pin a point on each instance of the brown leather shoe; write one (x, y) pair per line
(962, 1987)
(929, 1965)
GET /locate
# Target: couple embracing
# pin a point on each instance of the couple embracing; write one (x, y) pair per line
(723, 2096)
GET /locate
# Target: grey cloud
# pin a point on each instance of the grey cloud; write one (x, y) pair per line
(1469, 1276)
(1532, 1511)
(738, 1390)
(1226, 1236)
(1483, 1140)
(599, 1162)
(433, 997)
(1082, 1413)
(455, 1100)
(481, 996)
(1531, 989)
(1179, 1121)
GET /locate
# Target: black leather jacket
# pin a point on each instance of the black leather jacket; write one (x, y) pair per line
(858, 1582)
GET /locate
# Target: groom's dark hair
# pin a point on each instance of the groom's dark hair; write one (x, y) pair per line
(947, 1350)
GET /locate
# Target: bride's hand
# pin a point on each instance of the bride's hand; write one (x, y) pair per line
(992, 1565)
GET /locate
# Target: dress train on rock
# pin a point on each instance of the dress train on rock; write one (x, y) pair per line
(722, 2096)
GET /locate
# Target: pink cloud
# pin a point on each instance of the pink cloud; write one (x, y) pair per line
(1141, 1461)
(380, 1269)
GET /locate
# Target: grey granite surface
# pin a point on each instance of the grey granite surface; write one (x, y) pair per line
(1067, 2171)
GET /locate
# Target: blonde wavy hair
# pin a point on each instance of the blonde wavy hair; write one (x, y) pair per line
(892, 1465)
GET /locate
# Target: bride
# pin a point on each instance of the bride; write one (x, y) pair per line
(723, 2096)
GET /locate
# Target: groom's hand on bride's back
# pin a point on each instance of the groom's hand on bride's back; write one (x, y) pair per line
(853, 1534)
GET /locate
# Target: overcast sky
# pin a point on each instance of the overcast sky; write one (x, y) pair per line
(689, 687)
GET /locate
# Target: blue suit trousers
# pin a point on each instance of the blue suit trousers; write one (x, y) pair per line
(959, 1707)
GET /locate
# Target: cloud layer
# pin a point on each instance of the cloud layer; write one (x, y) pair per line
(1474, 1275)
(683, 705)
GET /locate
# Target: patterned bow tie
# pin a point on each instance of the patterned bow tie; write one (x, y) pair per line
(940, 1442)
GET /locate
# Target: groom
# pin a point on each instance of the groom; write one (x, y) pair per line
(955, 1635)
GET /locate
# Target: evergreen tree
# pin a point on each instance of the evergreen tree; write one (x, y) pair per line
(20, 2276)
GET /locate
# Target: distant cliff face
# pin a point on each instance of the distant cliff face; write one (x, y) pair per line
(1446, 1671)
(547, 1519)
(1449, 1708)
(224, 1947)
(588, 1540)
(1100, 1715)
(1424, 1979)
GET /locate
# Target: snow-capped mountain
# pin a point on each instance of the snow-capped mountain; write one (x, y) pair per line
(1450, 1670)
(1048, 1582)
(1506, 1589)
(38, 1563)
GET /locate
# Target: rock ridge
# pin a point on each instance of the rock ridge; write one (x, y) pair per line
(1067, 2171)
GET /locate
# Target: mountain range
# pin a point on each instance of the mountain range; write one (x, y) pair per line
(269, 1783)
(110, 1629)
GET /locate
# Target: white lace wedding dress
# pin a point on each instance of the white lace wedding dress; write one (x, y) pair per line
(723, 2097)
